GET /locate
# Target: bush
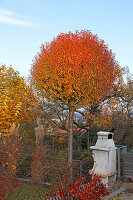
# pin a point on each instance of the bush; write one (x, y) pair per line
(7, 183)
(9, 158)
(83, 190)
(39, 164)
(10, 149)
(7, 186)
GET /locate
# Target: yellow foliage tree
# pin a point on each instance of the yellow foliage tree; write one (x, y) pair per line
(17, 100)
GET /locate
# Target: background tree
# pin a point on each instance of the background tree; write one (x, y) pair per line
(76, 68)
(113, 113)
(17, 100)
(121, 105)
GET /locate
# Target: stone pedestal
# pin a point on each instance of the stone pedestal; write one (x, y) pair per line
(104, 154)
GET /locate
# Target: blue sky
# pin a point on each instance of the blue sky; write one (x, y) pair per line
(26, 24)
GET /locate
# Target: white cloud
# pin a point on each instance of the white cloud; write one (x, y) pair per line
(8, 17)
(6, 12)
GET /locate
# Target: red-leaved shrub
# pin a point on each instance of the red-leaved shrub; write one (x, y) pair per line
(8, 162)
(83, 190)
(7, 186)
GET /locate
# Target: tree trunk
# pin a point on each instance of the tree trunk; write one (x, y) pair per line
(70, 140)
(88, 141)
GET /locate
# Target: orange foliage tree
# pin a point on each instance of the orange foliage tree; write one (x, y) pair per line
(17, 100)
(76, 68)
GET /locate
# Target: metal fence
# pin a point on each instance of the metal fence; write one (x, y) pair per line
(80, 167)
(124, 162)
(128, 166)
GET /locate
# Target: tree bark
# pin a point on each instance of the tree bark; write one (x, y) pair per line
(70, 140)
(88, 141)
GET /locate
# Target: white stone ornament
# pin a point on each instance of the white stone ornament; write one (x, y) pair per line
(104, 154)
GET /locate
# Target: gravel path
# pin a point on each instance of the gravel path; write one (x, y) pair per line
(120, 191)
(126, 195)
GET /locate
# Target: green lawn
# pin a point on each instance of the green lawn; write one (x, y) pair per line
(28, 192)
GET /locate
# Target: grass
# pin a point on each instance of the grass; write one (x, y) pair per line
(28, 192)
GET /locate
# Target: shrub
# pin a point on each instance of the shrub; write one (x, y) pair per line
(83, 190)
(10, 149)
(39, 165)
(7, 186)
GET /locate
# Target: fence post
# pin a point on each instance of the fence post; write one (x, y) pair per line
(119, 170)
(80, 169)
(124, 149)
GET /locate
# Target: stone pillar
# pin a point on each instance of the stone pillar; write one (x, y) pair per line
(104, 154)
